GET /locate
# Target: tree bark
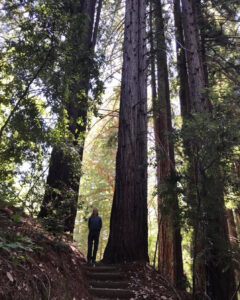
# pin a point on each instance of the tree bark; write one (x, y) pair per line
(232, 227)
(212, 270)
(61, 196)
(96, 25)
(185, 103)
(195, 67)
(237, 215)
(170, 251)
(234, 239)
(128, 238)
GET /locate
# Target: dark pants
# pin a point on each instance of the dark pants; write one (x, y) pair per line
(92, 237)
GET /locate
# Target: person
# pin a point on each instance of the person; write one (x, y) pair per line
(94, 226)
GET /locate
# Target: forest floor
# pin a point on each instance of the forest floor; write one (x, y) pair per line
(37, 265)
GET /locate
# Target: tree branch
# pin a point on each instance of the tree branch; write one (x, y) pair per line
(25, 92)
(95, 31)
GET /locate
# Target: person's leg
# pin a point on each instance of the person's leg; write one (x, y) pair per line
(90, 243)
(96, 240)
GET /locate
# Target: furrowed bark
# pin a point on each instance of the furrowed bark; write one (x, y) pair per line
(185, 103)
(170, 251)
(212, 276)
(128, 238)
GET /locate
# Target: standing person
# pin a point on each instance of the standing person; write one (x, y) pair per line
(94, 226)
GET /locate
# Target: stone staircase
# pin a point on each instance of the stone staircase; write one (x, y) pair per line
(107, 282)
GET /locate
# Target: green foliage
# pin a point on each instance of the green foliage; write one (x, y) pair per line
(212, 144)
(25, 52)
(11, 241)
(41, 56)
(210, 141)
(16, 218)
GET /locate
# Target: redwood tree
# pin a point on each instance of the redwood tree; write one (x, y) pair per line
(59, 206)
(128, 238)
(185, 103)
(212, 269)
(169, 237)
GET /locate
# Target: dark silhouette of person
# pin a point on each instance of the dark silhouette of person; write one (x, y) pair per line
(94, 226)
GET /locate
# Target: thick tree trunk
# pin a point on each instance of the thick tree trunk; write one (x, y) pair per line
(59, 206)
(128, 239)
(212, 270)
(170, 251)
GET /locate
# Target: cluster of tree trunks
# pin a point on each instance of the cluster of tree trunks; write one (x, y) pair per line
(211, 277)
(128, 238)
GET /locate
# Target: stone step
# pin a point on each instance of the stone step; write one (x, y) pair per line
(105, 276)
(108, 284)
(111, 293)
(100, 268)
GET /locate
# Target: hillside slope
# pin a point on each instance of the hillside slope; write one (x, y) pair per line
(34, 264)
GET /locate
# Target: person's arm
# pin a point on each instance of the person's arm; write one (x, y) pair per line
(100, 224)
(89, 223)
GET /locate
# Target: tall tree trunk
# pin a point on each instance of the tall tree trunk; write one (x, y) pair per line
(194, 61)
(234, 239)
(170, 251)
(210, 229)
(185, 103)
(59, 205)
(232, 227)
(237, 215)
(128, 238)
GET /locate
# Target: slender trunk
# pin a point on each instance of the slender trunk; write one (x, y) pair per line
(232, 227)
(165, 244)
(185, 102)
(96, 25)
(202, 31)
(237, 215)
(59, 206)
(194, 62)
(128, 238)
(170, 251)
(210, 229)
(154, 99)
(233, 237)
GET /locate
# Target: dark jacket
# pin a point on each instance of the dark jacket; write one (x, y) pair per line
(95, 224)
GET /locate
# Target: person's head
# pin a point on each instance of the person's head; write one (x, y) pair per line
(95, 212)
